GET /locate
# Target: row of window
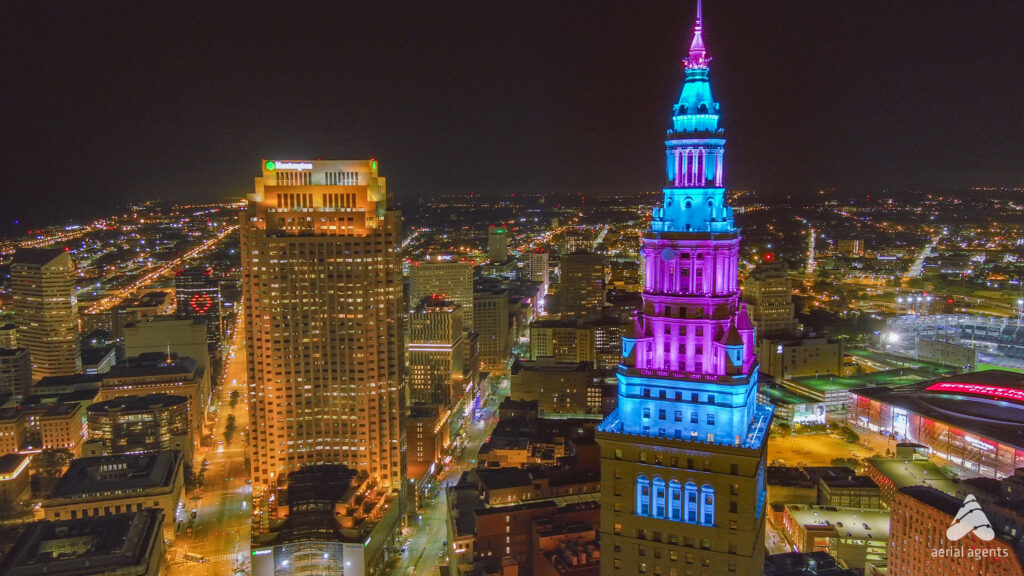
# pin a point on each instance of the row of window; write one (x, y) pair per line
(694, 416)
(660, 500)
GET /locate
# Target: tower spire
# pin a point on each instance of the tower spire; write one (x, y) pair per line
(698, 57)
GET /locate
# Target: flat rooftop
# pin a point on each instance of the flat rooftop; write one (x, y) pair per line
(103, 476)
(97, 545)
(905, 472)
(857, 523)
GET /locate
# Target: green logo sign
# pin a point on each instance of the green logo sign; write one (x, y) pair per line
(270, 165)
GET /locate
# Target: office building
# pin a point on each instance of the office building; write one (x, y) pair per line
(683, 454)
(15, 372)
(197, 295)
(322, 284)
(435, 353)
(156, 373)
(783, 358)
(128, 544)
(9, 335)
(452, 281)
(768, 292)
(185, 337)
(924, 519)
(492, 320)
(581, 286)
(139, 424)
(105, 485)
(850, 246)
(41, 426)
(46, 310)
(557, 387)
(497, 243)
(536, 268)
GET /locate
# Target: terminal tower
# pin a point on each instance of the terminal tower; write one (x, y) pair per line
(683, 455)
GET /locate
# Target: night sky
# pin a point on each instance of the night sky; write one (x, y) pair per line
(104, 101)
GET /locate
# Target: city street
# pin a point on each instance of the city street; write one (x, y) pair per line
(220, 532)
(430, 529)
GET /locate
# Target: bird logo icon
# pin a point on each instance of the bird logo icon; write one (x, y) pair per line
(970, 519)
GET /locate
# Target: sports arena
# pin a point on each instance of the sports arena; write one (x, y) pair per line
(973, 421)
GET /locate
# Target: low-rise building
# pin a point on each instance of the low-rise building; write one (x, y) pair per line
(910, 467)
(14, 478)
(138, 424)
(793, 357)
(129, 544)
(15, 371)
(57, 425)
(856, 537)
(105, 485)
(559, 388)
(158, 373)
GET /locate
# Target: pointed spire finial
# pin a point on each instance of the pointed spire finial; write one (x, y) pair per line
(698, 57)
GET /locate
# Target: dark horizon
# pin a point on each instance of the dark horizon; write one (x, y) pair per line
(135, 101)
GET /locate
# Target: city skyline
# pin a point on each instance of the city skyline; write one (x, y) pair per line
(541, 360)
(859, 98)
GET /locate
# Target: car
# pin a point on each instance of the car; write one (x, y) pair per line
(440, 554)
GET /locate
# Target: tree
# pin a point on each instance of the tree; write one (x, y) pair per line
(229, 429)
(47, 467)
(234, 398)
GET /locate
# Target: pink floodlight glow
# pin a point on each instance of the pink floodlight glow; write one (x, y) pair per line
(1014, 394)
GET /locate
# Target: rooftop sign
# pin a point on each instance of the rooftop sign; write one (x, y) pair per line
(1014, 394)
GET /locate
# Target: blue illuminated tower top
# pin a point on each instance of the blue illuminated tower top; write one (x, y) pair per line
(694, 194)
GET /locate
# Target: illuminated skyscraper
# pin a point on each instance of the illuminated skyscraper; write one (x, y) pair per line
(683, 455)
(497, 243)
(323, 295)
(46, 310)
(452, 281)
(197, 292)
(769, 292)
(581, 287)
(435, 353)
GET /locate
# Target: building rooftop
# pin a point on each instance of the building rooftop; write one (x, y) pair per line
(36, 256)
(100, 476)
(11, 464)
(804, 564)
(152, 364)
(88, 545)
(913, 472)
(856, 523)
(136, 403)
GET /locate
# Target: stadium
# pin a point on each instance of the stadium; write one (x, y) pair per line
(973, 421)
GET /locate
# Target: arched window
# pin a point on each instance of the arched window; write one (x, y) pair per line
(707, 505)
(675, 501)
(659, 497)
(643, 496)
(690, 496)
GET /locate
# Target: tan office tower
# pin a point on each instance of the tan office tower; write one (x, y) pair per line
(435, 353)
(497, 244)
(46, 310)
(769, 293)
(452, 281)
(323, 294)
(581, 289)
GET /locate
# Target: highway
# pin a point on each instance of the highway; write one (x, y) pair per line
(220, 532)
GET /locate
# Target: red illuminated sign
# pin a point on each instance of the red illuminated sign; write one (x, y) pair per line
(201, 303)
(980, 389)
